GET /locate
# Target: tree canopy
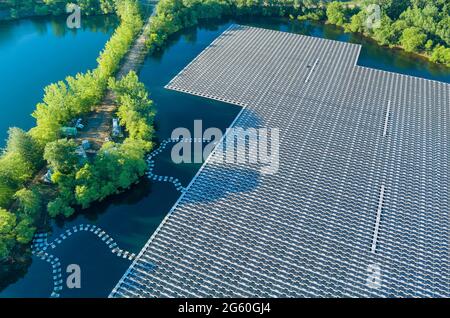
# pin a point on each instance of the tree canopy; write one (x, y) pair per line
(61, 155)
(20, 8)
(419, 26)
(27, 152)
(136, 111)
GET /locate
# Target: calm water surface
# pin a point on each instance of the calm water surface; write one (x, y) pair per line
(131, 217)
(39, 51)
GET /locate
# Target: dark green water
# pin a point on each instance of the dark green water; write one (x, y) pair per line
(130, 218)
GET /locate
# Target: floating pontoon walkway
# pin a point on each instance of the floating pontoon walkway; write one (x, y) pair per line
(359, 206)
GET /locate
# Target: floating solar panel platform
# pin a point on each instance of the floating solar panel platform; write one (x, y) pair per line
(359, 206)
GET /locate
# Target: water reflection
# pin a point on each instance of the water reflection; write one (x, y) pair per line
(31, 57)
(131, 217)
(219, 186)
(131, 197)
(55, 26)
(372, 55)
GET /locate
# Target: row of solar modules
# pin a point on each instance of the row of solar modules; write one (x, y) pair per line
(307, 231)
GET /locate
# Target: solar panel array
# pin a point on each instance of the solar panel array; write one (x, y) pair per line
(359, 206)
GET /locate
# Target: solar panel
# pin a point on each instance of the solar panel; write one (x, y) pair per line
(359, 206)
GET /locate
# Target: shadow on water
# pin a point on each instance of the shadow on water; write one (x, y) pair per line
(217, 180)
(129, 197)
(11, 274)
(198, 36)
(132, 216)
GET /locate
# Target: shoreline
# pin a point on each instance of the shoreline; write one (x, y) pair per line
(128, 53)
(48, 15)
(20, 253)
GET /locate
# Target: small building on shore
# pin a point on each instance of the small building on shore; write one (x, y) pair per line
(47, 178)
(69, 131)
(116, 130)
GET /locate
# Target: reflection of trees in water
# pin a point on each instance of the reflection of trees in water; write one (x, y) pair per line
(103, 24)
(6, 31)
(11, 272)
(58, 27)
(135, 194)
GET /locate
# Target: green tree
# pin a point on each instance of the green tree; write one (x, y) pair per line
(441, 54)
(61, 155)
(59, 207)
(14, 172)
(7, 239)
(55, 110)
(25, 231)
(22, 143)
(336, 13)
(6, 193)
(116, 167)
(385, 34)
(7, 222)
(413, 39)
(136, 111)
(29, 202)
(356, 23)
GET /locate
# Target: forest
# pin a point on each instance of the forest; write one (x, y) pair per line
(419, 26)
(24, 8)
(116, 165)
(23, 201)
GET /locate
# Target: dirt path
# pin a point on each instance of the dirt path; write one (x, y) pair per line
(99, 123)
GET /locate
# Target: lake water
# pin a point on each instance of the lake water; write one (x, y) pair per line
(39, 51)
(131, 217)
